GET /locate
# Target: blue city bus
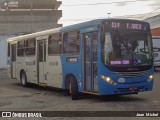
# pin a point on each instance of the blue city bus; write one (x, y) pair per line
(101, 57)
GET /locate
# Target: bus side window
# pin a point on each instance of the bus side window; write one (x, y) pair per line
(30, 47)
(54, 44)
(8, 49)
(21, 48)
(71, 42)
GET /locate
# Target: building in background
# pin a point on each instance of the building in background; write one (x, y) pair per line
(155, 24)
(19, 17)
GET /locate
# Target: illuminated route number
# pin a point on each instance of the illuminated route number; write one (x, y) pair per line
(115, 25)
(134, 26)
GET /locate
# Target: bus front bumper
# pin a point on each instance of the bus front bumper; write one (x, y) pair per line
(126, 88)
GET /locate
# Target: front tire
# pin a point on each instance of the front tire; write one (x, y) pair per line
(73, 88)
(23, 79)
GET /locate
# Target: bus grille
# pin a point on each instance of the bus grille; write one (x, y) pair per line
(131, 74)
(127, 89)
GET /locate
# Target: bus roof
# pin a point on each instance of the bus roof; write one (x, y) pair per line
(46, 32)
(67, 28)
(94, 22)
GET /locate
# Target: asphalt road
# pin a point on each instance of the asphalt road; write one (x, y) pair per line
(33, 98)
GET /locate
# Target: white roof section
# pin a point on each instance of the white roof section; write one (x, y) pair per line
(37, 34)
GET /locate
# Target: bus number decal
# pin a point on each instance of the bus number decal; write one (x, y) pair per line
(72, 59)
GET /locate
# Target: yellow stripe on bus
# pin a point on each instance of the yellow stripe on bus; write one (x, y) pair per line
(93, 93)
(42, 84)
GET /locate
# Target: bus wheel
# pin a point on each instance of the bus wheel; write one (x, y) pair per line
(23, 79)
(73, 88)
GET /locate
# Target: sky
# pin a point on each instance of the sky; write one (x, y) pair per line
(76, 11)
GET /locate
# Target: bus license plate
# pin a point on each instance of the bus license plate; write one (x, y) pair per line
(133, 89)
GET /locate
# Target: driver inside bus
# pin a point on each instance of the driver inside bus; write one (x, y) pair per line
(116, 44)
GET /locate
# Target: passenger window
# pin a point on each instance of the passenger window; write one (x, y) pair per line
(8, 49)
(13, 51)
(71, 42)
(21, 48)
(54, 44)
(30, 47)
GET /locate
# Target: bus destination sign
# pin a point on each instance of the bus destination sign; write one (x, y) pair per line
(128, 25)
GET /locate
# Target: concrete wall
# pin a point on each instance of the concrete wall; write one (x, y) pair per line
(3, 50)
(15, 22)
(26, 16)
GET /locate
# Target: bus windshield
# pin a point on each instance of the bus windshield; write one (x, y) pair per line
(127, 48)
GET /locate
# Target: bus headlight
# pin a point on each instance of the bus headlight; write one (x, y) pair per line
(108, 80)
(150, 78)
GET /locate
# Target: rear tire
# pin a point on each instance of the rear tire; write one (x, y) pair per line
(23, 79)
(73, 88)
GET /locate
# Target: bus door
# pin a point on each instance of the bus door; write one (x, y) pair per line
(90, 61)
(41, 57)
(13, 60)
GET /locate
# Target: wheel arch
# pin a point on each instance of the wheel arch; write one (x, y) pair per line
(22, 71)
(67, 80)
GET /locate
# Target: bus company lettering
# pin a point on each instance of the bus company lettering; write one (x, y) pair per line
(54, 63)
(120, 62)
(30, 63)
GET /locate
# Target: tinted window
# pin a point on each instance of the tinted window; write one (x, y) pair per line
(8, 49)
(54, 44)
(30, 47)
(13, 51)
(127, 48)
(71, 42)
(21, 48)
